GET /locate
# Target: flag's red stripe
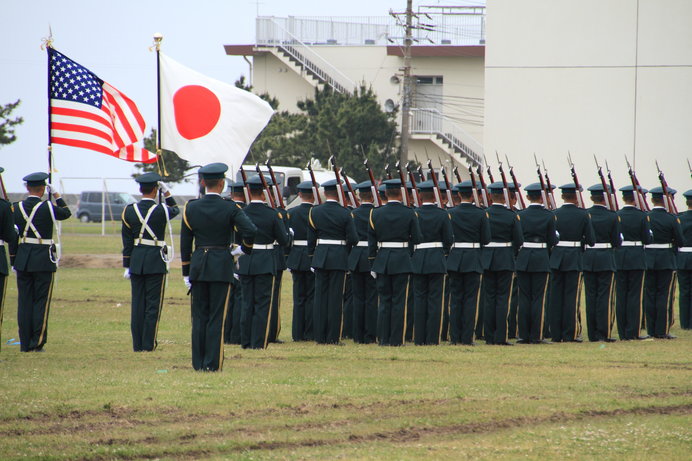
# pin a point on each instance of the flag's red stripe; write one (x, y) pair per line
(82, 144)
(123, 119)
(81, 129)
(79, 113)
(131, 107)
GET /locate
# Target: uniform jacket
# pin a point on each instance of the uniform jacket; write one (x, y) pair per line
(298, 258)
(393, 222)
(538, 226)
(505, 226)
(358, 258)
(573, 224)
(282, 252)
(470, 224)
(31, 257)
(666, 229)
(7, 233)
(330, 221)
(634, 227)
(606, 227)
(271, 230)
(435, 226)
(210, 222)
(145, 259)
(685, 258)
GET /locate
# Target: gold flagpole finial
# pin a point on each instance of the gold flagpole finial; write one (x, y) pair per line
(158, 38)
(47, 42)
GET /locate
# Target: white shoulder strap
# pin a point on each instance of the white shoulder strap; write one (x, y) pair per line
(145, 221)
(30, 218)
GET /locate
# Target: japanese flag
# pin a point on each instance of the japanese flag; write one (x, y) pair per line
(204, 120)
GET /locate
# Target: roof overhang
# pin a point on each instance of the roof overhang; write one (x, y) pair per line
(439, 51)
(242, 50)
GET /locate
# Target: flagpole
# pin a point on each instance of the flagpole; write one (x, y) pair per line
(48, 43)
(158, 37)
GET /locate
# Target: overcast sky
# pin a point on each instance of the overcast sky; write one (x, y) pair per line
(111, 39)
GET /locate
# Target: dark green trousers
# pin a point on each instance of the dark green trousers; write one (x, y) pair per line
(464, 307)
(481, 313)
(598, 292)
(658, 290)
(3, 287)
(512, 325)
(428, 305)
(628, 303)
(275, 318)
(364, 307)
(254, 319)
(684, 280)
(444, 335)
(34, 292)
(147, 303)
(546, 312)
(232, 331)
(565, 324)
(303, 305)
(209, 308)
(327, 317)
(531, 306)
(347, 329)
(410, 303)
(391, 312)
(498, 293)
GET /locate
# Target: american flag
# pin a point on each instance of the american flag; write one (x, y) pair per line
(89, 113)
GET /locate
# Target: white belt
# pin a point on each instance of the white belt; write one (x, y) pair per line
(466, 245)
(392, 244)
(36, 241)
(362, 243)
(263, 247)
(631, 243)
(151, 243)
(426, 245)
(330, 242)
(300, 243)
(535, 245)
(499, 245)
(568, 243)
(658, 246)
(685, 249)
(599, 246)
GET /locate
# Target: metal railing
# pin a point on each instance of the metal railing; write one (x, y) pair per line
(271, 32)
(433, 122)
(446, 29)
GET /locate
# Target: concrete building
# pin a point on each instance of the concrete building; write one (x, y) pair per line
(292, 56)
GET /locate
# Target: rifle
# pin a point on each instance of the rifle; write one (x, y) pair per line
(448, 185)
(613, 196)
(637, 189)
(315, 187)
(246, 190)
(339, 186)
(689, 167)
(606, 193)
(421, 173)
(373, 187)
(487, 200)
(553, 203)
(505, 186)
(517, 192)
(387, 171)
(404, 192)
(355, 203)
(475, 189)
(2, 186)
(279, 199)
(412, 178)
(436, 190)
(580, 199)
(544, 192)
(267, 191)
(669, 202)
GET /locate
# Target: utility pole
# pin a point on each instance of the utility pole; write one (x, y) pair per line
(406, 96)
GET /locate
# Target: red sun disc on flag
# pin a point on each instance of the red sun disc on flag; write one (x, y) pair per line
(197, 110)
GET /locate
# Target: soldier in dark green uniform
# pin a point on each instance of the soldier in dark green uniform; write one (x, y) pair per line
(8, 235)
(331, 234)
(685, 265)
(533, 265)
(393, 227)
(447, 295)
(512, 325)
(465, 266)
(630, 262)
(575, 230)
(280, 253)
(231, 334)
(506, 238)
(660, 266)
(209, 222)
(35, 259)
(258, 269)
(599, 267)
(145, 258)
(430, 267)
(364, 289)
(299, 263)
(410, 299)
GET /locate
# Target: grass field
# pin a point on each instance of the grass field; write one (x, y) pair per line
(89, 397)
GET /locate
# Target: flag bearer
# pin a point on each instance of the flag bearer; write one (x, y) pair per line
(8, 235)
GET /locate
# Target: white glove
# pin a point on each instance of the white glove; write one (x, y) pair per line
(373, 274)
(126, 274)
(236, 276)
(237, 251)
(186, 281)
(312, 269)
(290, 229)
(50, 188)
(163, 187)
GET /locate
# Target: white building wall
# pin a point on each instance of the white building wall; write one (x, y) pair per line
(592, 77)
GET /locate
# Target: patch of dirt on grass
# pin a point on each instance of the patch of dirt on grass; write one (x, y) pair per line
(98, 261)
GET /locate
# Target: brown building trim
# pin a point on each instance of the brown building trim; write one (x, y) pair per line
(437, 50)
(241, 50)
